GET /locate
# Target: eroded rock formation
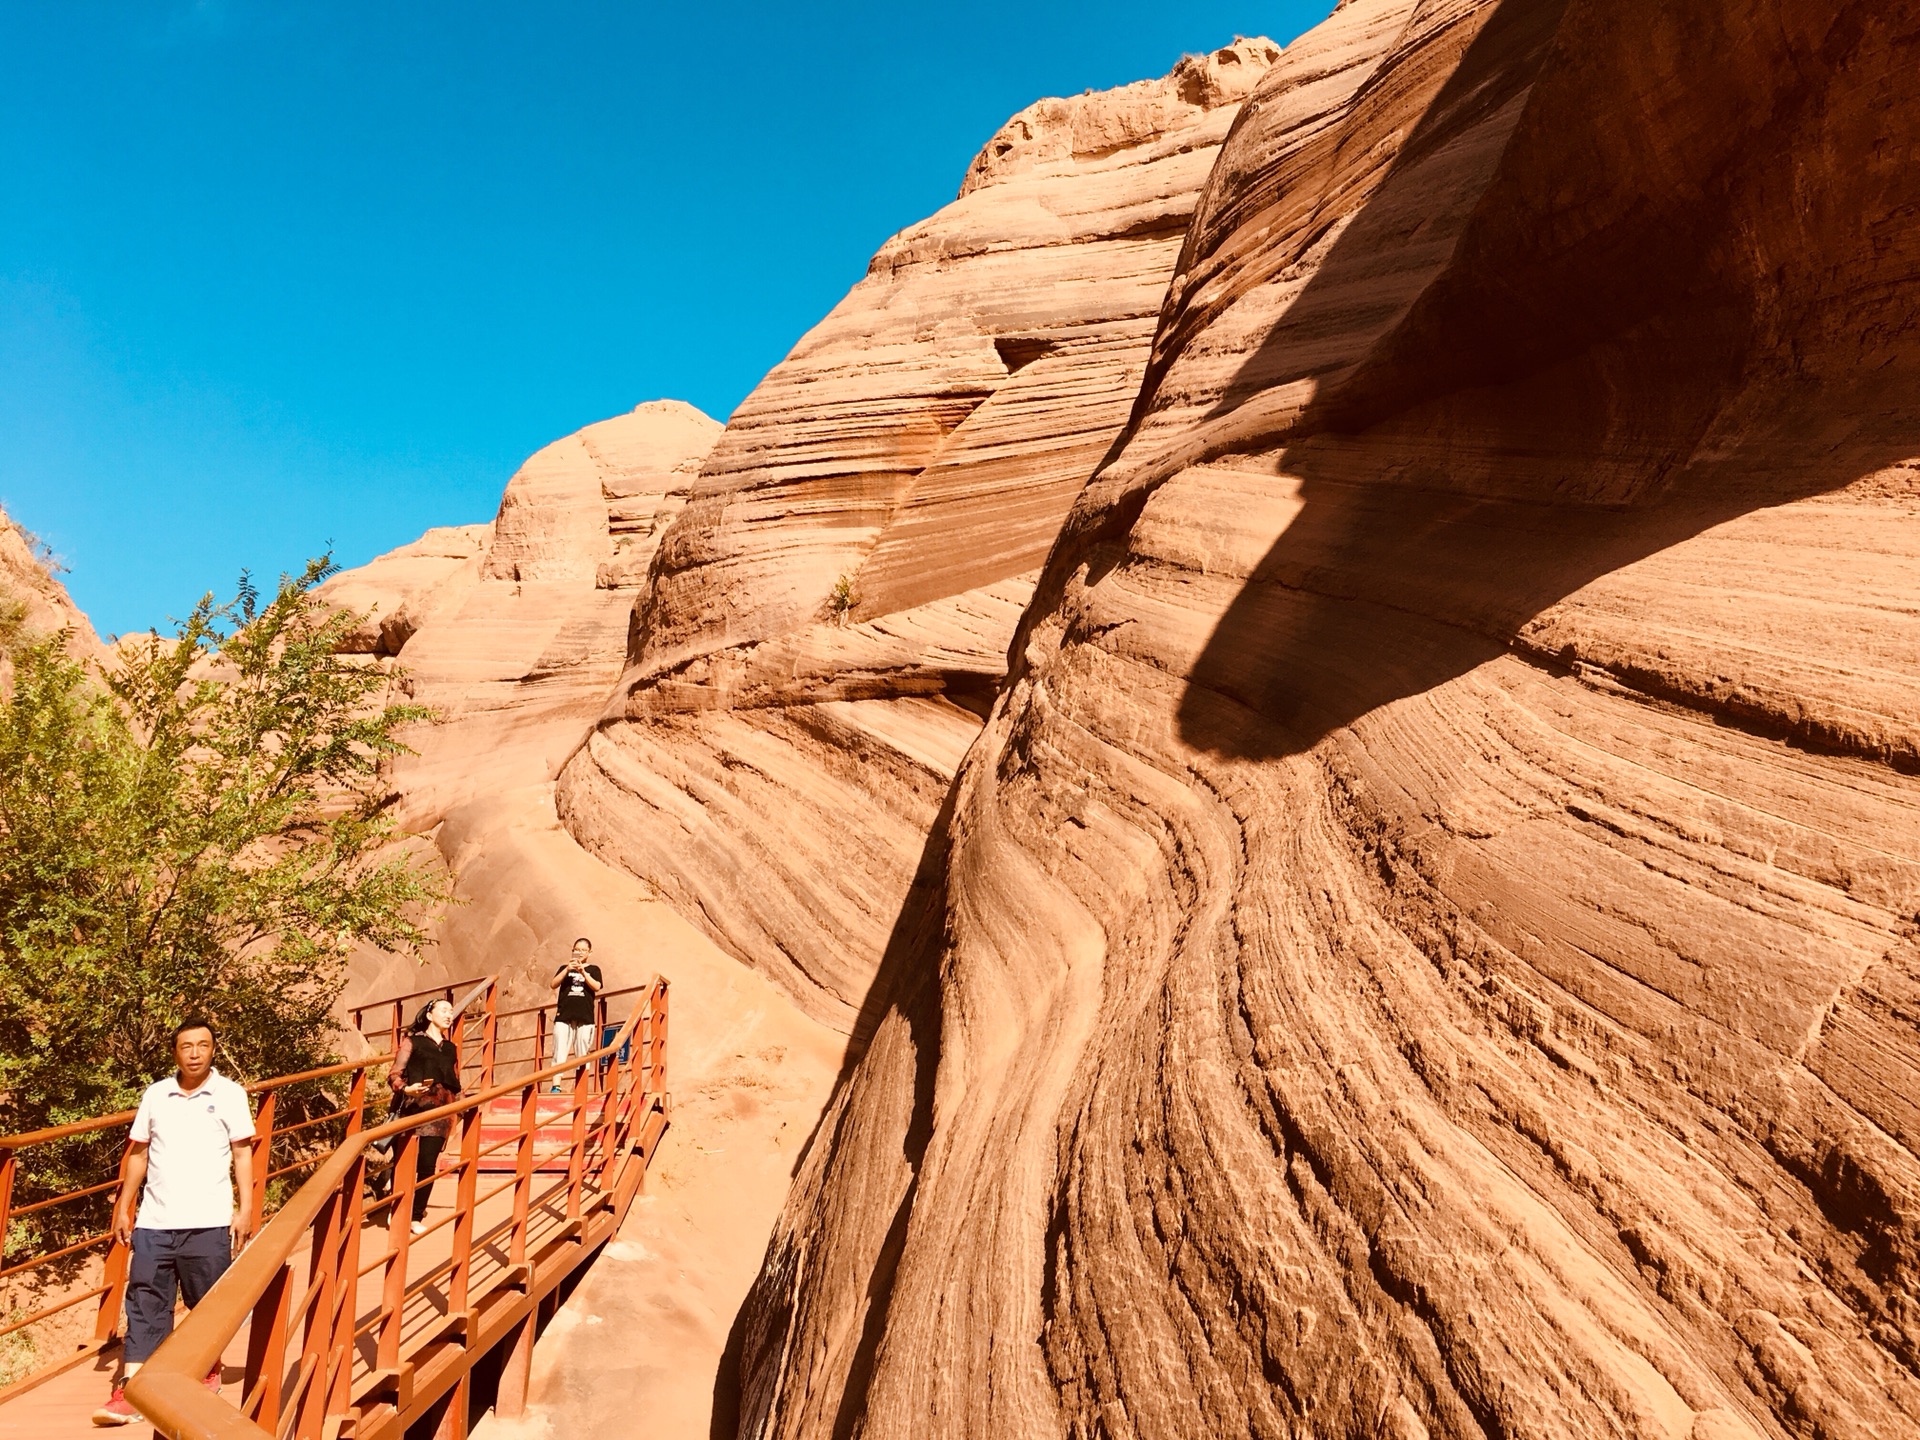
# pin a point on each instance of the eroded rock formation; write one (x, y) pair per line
(1424, 946)
(514, 630)
(829, 617)
(33, 599)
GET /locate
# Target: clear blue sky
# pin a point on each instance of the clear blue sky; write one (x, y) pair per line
(277, 273)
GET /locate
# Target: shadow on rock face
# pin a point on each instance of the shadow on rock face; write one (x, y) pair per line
(1665, 312)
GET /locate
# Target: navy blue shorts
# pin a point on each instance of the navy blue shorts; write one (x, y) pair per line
(165, 1261)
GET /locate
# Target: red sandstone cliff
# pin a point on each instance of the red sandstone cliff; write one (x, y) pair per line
(32, 598)
(1424, 945)
(774, 759)
(514, 630)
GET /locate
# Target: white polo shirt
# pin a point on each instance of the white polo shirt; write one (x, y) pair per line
(190, 1138)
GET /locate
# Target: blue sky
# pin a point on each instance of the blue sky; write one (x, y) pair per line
(274, 275)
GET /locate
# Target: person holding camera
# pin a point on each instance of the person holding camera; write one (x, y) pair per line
(577, 984)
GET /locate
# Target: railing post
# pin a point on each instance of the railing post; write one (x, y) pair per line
(346, 1295)
(608, 1129)
(660, 1038)
(8, 1159)
(267, 1352)
(263, 1153)
(457, 1038)
(540, 1038)
(458, 1285)
(599, 1034)
(577, 1149)
(523, 1173)
(643, 1036)
(357, 1103)
(107, 1323)
(393, 1041)
(393, 1302)
(489, 1036)
(323, 1271)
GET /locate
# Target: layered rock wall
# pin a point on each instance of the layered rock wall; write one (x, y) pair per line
(1424, 945)
(829, 617)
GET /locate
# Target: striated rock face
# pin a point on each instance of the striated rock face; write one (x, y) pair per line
(1425, 944)
(829, 617)
(515, 630)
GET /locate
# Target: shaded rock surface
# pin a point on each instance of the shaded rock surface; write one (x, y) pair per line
(1424, 944)
(828, 618)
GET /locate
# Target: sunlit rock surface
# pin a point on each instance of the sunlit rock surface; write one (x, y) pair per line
(33, 599)
(829, 616)
(1424, 945)
(514, 630)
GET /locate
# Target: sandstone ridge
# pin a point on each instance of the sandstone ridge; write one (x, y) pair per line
(828, 618)
(514, 630)
(1423, 945)
(28, 586)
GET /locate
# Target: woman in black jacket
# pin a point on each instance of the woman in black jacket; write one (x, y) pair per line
(423, 1076)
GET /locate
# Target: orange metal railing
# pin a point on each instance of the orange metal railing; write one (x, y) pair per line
(500, 1044)
(372, 1360)
(299, 1142)
(109, 1290)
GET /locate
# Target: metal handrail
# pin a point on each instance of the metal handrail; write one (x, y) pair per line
(111, 1293)
(125, 1117)
(167, 1389)
(493, 1041)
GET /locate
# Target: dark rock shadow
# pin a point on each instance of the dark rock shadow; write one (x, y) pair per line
(1646, 329)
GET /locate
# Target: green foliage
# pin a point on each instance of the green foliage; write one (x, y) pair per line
(198, 829)
(841, 600)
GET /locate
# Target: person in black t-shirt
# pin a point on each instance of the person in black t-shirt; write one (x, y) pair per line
(578, 984)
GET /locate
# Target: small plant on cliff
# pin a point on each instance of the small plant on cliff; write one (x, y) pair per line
(841, 600)
(196, 828)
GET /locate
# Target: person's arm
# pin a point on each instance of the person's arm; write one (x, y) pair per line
(243, 1217)
(397, 1071)
(134, 1177)
(592, 976)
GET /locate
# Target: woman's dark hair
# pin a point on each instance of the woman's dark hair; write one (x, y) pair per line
(419, 1026)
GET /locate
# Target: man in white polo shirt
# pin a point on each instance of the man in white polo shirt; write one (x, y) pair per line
(191, 1141)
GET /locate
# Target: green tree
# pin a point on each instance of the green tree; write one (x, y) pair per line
(196, 828)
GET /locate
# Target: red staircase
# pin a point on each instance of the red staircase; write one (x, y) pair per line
(553, 1137)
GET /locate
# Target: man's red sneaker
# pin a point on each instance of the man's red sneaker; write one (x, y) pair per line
(116, 1411)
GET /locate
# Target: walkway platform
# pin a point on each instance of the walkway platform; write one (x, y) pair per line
(336, 1322)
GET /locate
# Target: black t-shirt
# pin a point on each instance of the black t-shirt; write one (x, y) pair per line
(576, 999)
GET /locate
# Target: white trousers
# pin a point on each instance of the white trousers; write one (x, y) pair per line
(571, 1041)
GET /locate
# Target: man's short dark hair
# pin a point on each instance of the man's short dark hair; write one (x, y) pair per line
(193, 1022)
(583, 940)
